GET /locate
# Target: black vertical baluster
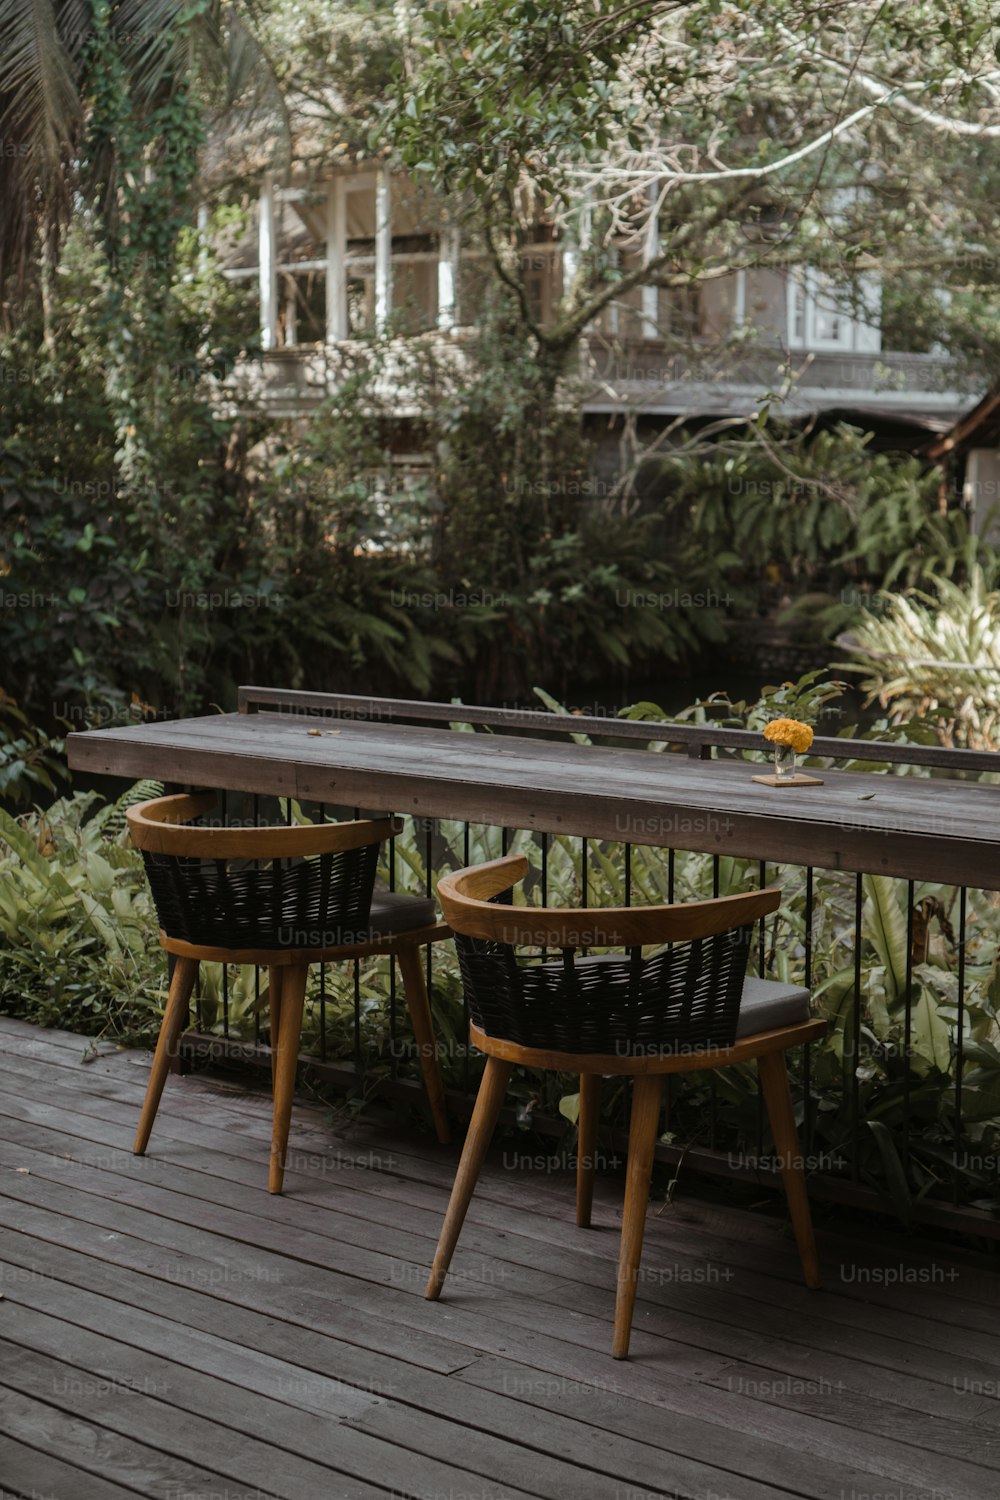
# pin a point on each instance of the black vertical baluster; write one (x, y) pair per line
(467, 856)
(712, 1082)
(394, 1062)
(357, 1015)
(907, 1027)
(545, 881)
(584, 882)
(256, 967)
(856, 1036)
(322, 977)
(807, 1049)
(272, 1039)
(288, 823)
(357, 992)
(960, 1039)
(428, 890)
(671, 881)
(225, 966)
(256, 1005)
(761, 966)
(762, 936)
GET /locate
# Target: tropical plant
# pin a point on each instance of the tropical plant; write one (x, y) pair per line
(67, 70)
(935, 656)
(29, 760)
(810, 525)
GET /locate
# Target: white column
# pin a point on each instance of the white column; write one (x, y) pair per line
(576, 241)
(267, 262)
(575, 246)
(383, 252)
(448, 249)
(203, 237)
(291, 312)
(868, 323)
(740, 309)
(650, 294)
(336, 261)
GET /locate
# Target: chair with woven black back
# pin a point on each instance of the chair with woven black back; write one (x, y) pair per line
(686, 1007)
(285, 897)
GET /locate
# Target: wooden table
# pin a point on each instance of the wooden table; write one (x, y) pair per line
(908, 826)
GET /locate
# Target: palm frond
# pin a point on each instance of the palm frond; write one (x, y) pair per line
(40, 48)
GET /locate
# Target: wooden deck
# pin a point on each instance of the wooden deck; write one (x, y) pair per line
(167, 1329)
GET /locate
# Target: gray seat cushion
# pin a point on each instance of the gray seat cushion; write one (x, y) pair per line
(393, 912)
(767, 1004)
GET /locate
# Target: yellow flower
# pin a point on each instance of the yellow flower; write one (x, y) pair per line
(789, 732)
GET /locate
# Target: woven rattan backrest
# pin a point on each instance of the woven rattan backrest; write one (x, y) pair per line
(295, 887)
(684, 997)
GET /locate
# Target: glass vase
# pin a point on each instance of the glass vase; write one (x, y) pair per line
(784, 762)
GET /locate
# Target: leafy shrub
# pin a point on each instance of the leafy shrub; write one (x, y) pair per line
(77, 930)
(29, 759)
(813, 525)
(935, 656)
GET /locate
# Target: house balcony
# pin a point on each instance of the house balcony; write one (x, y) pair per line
(645, 377)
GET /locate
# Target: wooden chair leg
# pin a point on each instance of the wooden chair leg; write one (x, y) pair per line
(773, 1073)
(646, 1096)
(586, 1145)
(174, 1019)
(293, 994)
(419, 1006)
(274, 974)
(481, 1128)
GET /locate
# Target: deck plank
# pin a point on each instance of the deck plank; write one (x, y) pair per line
(26, 1473)
(591, 1266)
(287, 1341)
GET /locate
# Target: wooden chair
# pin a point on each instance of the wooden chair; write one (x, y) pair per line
(686, 1008)
(286, 897)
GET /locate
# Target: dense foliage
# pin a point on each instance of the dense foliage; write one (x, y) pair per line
(936, 656)
(157, 543)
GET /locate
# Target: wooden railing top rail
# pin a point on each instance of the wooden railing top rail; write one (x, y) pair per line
(697, 739)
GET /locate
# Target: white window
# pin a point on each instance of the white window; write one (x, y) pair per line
(822, 315)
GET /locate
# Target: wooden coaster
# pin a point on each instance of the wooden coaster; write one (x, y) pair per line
(799, 779)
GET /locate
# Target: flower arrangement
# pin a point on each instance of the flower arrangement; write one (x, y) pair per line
(791, 732)
(788, 738)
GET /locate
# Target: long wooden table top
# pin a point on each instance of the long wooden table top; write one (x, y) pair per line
(900, 825)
